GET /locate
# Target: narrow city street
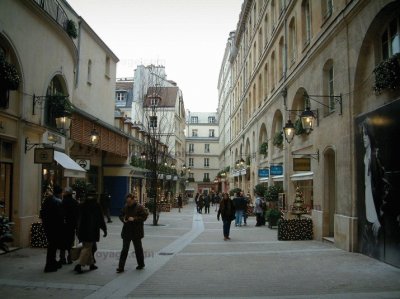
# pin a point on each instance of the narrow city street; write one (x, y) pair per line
(186, 256)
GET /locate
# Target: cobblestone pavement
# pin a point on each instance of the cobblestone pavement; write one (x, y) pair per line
(186, 256)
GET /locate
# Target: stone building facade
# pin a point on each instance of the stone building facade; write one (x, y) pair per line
(290, 56)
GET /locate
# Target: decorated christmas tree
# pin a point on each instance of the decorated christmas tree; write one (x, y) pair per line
(298, 205)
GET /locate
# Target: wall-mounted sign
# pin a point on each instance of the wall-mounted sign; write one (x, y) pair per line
(44, 155)
(301, 164)
(85, 164)
(263, 173)
(276, 170)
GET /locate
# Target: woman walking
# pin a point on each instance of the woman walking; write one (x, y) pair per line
(227, 212)
(90, 222)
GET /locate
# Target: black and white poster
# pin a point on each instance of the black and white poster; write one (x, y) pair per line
(378, 183)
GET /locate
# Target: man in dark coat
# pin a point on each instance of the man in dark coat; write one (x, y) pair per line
(53, 224)
(132, 215)
(90, 222)
(70, 210)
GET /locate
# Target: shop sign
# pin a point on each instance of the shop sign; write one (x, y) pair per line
(44, 155)
(85, 164)
(301, 164)
(276, 170)
(263, 173)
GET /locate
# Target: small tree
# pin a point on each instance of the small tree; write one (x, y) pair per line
(272, 193)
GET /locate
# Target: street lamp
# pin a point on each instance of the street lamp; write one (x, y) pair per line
(153, 102)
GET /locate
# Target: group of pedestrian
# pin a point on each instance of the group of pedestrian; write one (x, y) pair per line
(64, 219)
(238, 209)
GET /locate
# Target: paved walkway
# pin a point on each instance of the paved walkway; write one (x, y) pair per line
(186, 256)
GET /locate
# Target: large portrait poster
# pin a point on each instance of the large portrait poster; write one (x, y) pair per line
(378, 183)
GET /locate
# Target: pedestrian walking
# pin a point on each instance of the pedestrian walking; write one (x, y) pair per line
(207, 200)
(90, 221)
(53, 225)
(133, 215)
(227, 212)
(245, 212)
(180, 202)
(70, 212)
(240, 205)
(196, 200)
(201, 204)
(218, 198)
(259, 209)
(105, 202)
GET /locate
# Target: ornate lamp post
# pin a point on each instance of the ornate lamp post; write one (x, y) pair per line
(154, 100)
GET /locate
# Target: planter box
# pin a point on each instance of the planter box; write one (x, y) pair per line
(295, 229)
(38, 237)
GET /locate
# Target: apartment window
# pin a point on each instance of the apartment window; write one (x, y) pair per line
(327, 8)
(206, 162)
(191, 175)
(206, 148)
(191, 162)
(154, 101)
(89, 72)
(191, 147)
(108, 65)
(328, 80)
(194, 132)
(206, 176)
(121, 96)
(211, 133)
(391, 39)
(306, 21)
(292, 41)
(211, 119)
(194, 119)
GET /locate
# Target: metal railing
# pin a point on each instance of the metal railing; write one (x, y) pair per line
(55, 10)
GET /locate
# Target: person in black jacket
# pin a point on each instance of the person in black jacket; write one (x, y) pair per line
(132, 215)
(90, 222)
(70, 211)
(53, 225)
(227, 212)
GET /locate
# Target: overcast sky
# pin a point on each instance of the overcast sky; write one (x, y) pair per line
(188, 37)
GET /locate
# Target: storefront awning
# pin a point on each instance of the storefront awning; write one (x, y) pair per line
(71, 168)
(124, 170)
(277, 178)
(189, 189)
(302, 176)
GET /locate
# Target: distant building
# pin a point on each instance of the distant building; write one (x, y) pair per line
(202, 151)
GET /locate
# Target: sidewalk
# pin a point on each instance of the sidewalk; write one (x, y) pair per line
(186, 256)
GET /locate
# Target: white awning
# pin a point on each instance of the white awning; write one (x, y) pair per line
(189, 189)
(263, 179)
(302, 176)
(71, 168)
(277, 178)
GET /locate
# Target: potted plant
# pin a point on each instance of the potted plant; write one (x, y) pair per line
(260, 189)
(298, 127)
(387, 74)
(264, 149)
(278, 139)
(272, 193)
(9, 77)
(60, 105)
(71, 29)
(9, 80)
(272, 215)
